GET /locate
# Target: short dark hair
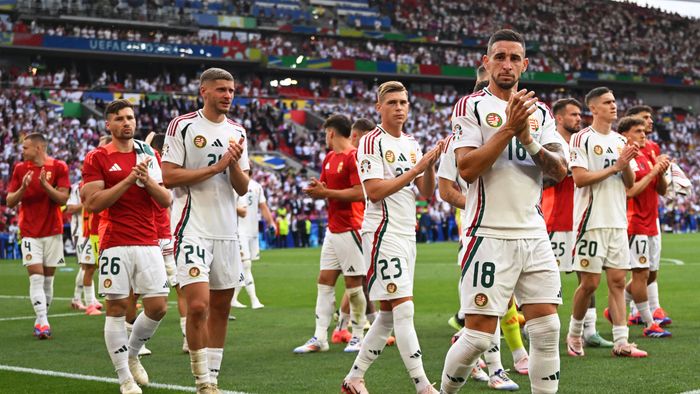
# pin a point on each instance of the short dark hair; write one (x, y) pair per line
(214, 73)
(117, 105)
(481, 85)
(596, 92)
(480, 70)
(364, 125)
(506, 35)
(339, 123)
(637, 109)
(157, 142)
(36, 138)
(561, 104)
(626, 123)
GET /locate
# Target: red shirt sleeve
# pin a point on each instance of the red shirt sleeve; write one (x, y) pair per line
(322, 178)
(92, 170)
(351, 165)
(62, 180)
(16, 180)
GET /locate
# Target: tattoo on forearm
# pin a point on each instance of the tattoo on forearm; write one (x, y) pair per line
(552, 162)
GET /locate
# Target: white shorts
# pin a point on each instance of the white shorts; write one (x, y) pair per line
(45, 250)
(343, 252)
(391, 259)
(655, 252)
(493, 270)
(214, 261)
(137, 268)
(250, 248)
(563, 246)
(87, 255)
(602, 248)
(642, 250)
(166, 249)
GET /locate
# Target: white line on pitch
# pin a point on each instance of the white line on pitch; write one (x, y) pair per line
(673, 261)
(59, 374)
(33, 317)
(691, 392)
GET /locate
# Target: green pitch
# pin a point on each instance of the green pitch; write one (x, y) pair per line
(259, 359)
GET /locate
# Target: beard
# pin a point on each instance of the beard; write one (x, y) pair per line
(506, 85)
(571, 129)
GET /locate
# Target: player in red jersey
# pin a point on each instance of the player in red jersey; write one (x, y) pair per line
(651, 149)
(558, 209)
(123, 181)
(642, 208)
(342, 246)
(40, 183)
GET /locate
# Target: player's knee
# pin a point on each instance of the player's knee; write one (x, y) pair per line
(404, 311)
(197, 309)
(544, 333)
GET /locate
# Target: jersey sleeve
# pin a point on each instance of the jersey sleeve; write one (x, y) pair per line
(62, 179)
(419, 155)
(261, 193)
(369, 158)
(448, 166)
(579, 153)
(465, 127)
(92, 170)
(16, 179)
(634, 166)
(174, 144)
(74, 196)
(549, 130)
(322, 178)
(351, 165)
(244, 162)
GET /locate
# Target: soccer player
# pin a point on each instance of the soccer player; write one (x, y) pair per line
(75, 208)
(342, 248)
(205, 162)
(40, 184)
(390, 164)
(642, 212)
(505, 143)
(651, 150)
(123, 181)
(600, 163)
(253, 200)
(558, 209)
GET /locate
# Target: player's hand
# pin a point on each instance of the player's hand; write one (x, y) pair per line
(273, 227)
(140, 171)
(662, 164)
(242, 211)
(27, 179)
(428, 160)
(629, 152)
(235, 149)
(520, 106)
(223, 163)
(42, 178)
(316, 189)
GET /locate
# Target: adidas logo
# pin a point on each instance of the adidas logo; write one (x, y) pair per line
(455, 379)
(115, 167)
(494, 349)
(609, 150)
(416, 354)
(217, 143)
(165, 286)
(554, 376)
(375, 352)
(121, 349)
(213, 370)
(144, 339)
(351, 269)
(402, 157)
(37, 303)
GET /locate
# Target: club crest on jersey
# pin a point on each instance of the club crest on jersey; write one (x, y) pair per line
(573, 156)
(481, 300)
(534, 123)
(365, 166)
(389, 156)
(412, 155)
(585, 263)
(494, 120)
(48, 175)
(28, 256)
(598, 150)
(340, 167)
(107, 283)
(457, 131)
(642, 260)
(194, 272)
(200, 141)
(558, 262)
(391, 288)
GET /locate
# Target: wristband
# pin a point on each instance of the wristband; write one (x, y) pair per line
(533, 148)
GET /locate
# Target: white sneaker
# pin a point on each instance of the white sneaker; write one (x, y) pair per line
(521, 366)
(237, 304)
(129, 387)
(313, 345)
(479, 375)
(354, 345)
(501, 381)
(185, 347)
(256, 305)
(137, 370)
(145, 351)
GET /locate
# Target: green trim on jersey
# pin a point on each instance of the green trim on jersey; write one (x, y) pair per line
(357, 240)
(471, 256)
(379, 234)
(184, 220)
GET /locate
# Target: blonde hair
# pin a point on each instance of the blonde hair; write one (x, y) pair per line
(389, 87)
(212, 74)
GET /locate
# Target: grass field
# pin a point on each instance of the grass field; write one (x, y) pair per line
(259, 357)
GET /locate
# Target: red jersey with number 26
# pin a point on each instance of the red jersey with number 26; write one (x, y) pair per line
(131, 221)
(340, 172)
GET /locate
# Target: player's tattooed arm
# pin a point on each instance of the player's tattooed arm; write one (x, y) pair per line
(552, 161)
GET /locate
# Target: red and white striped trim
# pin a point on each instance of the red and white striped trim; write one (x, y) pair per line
(173, 124)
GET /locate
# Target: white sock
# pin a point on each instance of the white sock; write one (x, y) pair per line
(460, 315)
(48, 291)
(183, 324)
(116, 340)
(249, 282)
(358, 304)
(518, 354)
(371, 317)
(620, 334)
(38, 298)
(460, 358)
(493, 355)
(373, 344)
(407, 342)
(575, 327)
(645, 312)
(653, 294)
(199, 362)
(89, 292)
(250, 289)
(78, 289)
(544, 353)
(589, 322)
(143, 329)
(325, 302)
(214, 356)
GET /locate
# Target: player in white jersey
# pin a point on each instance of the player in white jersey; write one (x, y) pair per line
(505, 144)
(75, 208)
(600, 164)
(205, 162)
(253, 200)
(390, 163)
